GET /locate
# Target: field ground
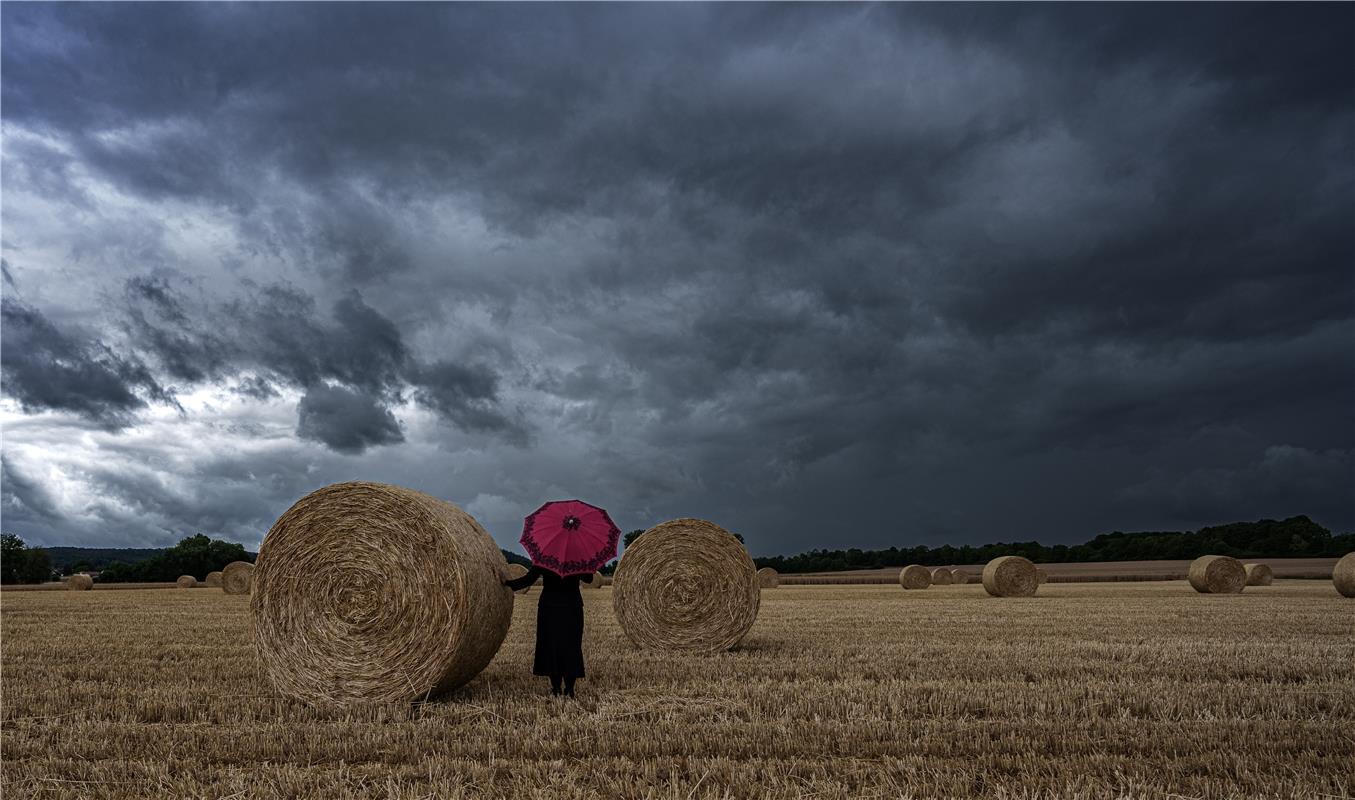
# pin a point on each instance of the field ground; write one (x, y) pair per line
(1143, 690)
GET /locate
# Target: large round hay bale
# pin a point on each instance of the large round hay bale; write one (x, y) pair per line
(1041, 576)
(915, 576)
(186, 582)
(213, 580)
(1343, 575)
(686, 584)
(516, 571)
(370, 592)
(768, 578)
(959, 576)
(237, 577)
(1217, 575)
(1010, 576)
(79, 583)
(1258, 574)
(941, 577)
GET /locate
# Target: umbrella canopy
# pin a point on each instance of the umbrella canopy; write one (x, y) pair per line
(569, 537)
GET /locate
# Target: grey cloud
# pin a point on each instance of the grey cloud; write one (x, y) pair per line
(46, 368)
(4, 270)
(794, 266)
(344, 420)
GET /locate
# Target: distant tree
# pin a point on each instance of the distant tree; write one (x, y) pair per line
(194, 555)
(37, 566)
(11, 558)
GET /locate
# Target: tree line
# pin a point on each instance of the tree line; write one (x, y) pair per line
(20, 563)
(1295, 537)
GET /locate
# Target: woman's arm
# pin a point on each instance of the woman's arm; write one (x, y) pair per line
(525, 581)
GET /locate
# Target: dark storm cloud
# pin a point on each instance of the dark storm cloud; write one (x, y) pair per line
(47, 368)
(276, 336)
(344, 420)
(793, 266)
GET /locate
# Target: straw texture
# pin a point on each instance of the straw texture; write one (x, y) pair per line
(1217, 575)
(1258, 574)
(79, 583)
(686, 584)
(768, 578)
(237, 577)
(213, 579)
(941, 577)
(370, 592)
(596, 584)
(1343, 575)
(1010, 576)
(186, 582)
(1041, 576)
(959, 576)
(915, 576)
(516, 571)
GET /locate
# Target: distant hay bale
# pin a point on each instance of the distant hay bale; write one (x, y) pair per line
(768, 578)
(365, 592)
(237, 577)
(1041, 576)
(1010, 576)
(596, 584)
(941, 577)
(1258, 574)
(213, 580)
(1343, 575)
(959, 576)
(186, 582)
(1217, 575)
(915, 576)
(79, 583)
(516, 571)
(686, 584)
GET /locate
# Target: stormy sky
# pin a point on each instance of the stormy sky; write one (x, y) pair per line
(830, 276)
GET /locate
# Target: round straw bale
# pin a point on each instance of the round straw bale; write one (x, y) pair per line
(941, 577)
(186, 582)
(1217, 575)
(959, 576)
(768, 578)
(1343, 575)
(915, 576)
(1258, 574)
(79, 582)
(516, 571)
(1041, 576)
(1010, 576)
(686, 584)
(369, 592)
(237, 577)
(212, 580)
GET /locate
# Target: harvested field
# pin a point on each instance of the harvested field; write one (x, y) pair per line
(1084, 691)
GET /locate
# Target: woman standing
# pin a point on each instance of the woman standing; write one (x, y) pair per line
(559, 627)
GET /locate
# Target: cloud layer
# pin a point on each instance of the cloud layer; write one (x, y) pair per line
(829, 275)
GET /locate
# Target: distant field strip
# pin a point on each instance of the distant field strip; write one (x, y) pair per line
(1134, 690)
(1093, 572)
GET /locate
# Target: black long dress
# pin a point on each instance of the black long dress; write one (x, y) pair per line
(559, 622)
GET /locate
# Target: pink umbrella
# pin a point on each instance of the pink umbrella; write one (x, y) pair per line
(569, 537)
